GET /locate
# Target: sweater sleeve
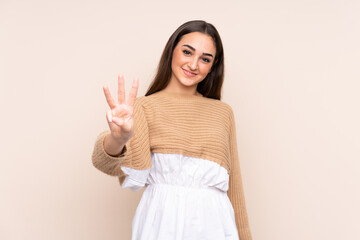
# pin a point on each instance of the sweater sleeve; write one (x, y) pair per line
(235, 191)
(136, 152)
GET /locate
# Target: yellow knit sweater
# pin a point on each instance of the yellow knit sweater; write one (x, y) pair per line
(191, 125)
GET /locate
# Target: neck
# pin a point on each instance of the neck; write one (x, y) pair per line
(180, 95)
(182, 92)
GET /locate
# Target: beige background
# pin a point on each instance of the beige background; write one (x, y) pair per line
(292, 78)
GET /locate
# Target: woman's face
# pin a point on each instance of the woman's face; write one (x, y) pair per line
(192, 59)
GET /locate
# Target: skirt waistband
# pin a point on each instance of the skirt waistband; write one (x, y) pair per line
(184, 188)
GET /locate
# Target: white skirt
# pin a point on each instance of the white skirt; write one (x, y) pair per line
(185, 199)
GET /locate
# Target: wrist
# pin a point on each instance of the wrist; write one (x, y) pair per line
(113, 146)
(116, 141)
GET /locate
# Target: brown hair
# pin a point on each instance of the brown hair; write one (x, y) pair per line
(211, 85)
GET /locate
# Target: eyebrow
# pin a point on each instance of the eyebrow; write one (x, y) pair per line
(192, 48)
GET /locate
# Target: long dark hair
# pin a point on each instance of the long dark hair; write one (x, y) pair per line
(211, 85)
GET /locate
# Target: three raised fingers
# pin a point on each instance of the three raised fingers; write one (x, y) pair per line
(121, 93)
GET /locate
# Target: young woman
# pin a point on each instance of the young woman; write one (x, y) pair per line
(178, 141)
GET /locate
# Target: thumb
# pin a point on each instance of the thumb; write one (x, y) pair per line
(109, 116)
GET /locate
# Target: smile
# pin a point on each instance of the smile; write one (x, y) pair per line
(189, 74)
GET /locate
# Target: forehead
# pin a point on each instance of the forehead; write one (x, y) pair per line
(200, 41)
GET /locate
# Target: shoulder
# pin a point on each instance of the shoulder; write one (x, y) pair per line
(147, 103)
(139, 103)
(226, 107)
(230, 116)
(140, 100)
(222, 109)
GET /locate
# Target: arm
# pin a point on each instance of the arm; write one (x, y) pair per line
(103, 161)
(235, 191)
(113, 147)
(135, 153)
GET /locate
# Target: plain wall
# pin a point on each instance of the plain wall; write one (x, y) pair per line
(292, 78)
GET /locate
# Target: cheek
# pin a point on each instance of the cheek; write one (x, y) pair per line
(206, 68)
(173, 61)
(176, 58)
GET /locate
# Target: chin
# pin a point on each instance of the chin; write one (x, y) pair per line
(189, 82)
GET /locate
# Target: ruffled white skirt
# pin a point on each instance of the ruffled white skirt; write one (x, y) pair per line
(185, 199)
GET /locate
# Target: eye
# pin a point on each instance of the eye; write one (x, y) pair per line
(206, 60)
(186, 52)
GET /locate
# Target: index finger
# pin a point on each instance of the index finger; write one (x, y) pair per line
(109, 98)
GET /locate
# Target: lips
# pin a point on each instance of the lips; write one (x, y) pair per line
(188, 73)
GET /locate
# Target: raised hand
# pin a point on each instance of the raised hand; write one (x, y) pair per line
(120, 116)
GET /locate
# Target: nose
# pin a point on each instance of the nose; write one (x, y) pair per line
(193, 64)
